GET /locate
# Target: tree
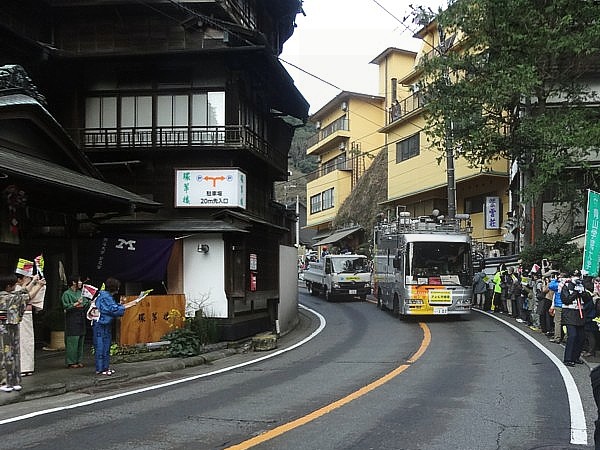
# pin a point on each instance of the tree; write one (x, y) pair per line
(512, 79)
(556, 249)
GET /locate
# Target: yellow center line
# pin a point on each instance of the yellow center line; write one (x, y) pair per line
(278, 431)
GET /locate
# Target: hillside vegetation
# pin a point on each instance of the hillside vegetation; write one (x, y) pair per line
(363, 204)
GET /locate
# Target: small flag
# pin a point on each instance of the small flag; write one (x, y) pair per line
(535, 268)
(88, 291)
(39, 263)
(143, 294)
(24, 267)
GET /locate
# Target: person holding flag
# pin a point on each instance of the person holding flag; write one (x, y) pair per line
(12, 308)
(24, 271)
(109, 309)
(574, 296)
(75, 305)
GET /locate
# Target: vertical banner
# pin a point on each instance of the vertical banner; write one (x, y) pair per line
(591, 250)
(492, 213)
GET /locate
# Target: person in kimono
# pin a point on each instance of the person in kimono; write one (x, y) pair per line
(13, 303)
(75, 306)
(26, 334)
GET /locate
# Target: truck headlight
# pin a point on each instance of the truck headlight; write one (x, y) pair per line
(335, 285)
(414, 301)
(367, 284)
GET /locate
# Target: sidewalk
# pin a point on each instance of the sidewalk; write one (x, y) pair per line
(52, 377)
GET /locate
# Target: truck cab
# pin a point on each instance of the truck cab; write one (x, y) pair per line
(339, 276)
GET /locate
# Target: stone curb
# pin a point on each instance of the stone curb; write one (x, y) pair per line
(125, 372)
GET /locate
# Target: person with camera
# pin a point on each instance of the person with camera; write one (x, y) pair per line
(574, 296)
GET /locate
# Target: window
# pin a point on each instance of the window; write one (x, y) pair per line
(136, 120)
(174, 114)
(315, 204)
(408, 148)
(327, 198)
(172, 119)
(328, 167)
(476, 204)
(100, 114)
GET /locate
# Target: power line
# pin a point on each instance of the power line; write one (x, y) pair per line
(311, 74)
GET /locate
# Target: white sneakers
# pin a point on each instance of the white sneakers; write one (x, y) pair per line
(520, 320)
(5, 388)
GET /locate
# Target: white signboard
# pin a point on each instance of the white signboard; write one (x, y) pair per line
(492, 213)
(210, 188)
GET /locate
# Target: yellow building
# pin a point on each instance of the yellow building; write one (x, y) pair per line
(345, 144)
(417, 171)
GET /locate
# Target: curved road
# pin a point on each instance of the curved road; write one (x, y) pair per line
(366, 381)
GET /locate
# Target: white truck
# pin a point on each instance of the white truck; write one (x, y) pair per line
(339, 276)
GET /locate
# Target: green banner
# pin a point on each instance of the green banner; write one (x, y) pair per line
(591, 251)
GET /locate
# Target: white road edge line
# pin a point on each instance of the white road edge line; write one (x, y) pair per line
(322, 324)
(578, 425)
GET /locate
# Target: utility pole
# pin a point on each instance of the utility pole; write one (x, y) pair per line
(448, 141)
(450, 170)
(297, 221)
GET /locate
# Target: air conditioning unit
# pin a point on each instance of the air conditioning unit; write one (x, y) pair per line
(342, 146)
(344, 106)
(318, 125)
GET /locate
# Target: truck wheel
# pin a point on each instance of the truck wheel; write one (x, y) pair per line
(396, 307)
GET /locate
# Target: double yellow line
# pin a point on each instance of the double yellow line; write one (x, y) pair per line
(278, 431)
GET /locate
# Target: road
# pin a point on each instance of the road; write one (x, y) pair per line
(366, 380)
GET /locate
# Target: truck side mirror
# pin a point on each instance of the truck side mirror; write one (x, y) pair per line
(396, 262)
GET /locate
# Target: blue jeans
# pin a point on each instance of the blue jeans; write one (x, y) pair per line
(102, 342)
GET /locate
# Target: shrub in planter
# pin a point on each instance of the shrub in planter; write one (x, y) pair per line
(184, 342)
(205, 328)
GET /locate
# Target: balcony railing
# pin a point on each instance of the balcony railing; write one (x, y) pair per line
(330, 166)
(194, 137)
(406, 106)
(340, 124)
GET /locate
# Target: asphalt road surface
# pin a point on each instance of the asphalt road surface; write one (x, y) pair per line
(364, 380)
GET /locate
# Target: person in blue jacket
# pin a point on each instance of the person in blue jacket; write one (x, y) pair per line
(556, 285)
(109, 308)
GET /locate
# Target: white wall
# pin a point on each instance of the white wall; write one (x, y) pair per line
(288, 288)
(204, 274)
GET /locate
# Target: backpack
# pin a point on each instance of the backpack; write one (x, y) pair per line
(91, 292)
(93, 313)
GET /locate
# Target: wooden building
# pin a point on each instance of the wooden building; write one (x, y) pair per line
(187, 105)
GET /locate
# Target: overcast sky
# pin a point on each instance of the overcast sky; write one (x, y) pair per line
(338, 38)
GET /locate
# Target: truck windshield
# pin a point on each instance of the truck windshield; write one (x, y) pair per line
(350, 264)
(439, 262)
